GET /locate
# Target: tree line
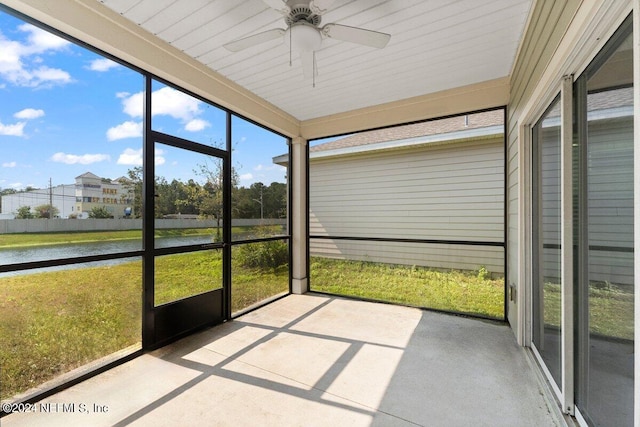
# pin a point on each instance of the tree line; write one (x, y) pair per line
(175, 197)
(205, 199)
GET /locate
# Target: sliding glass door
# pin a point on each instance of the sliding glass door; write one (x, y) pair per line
(583, 296)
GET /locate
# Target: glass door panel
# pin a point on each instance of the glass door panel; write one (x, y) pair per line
(605, 290)
(547, 284)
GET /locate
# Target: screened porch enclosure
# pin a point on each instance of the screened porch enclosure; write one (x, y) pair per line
(235, 240)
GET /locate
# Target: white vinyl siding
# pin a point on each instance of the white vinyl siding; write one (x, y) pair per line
(611, 184)
(448, 192)
(550, 193)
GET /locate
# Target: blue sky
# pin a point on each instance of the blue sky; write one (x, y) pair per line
(65, 110)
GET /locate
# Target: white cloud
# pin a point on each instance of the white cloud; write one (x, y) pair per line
(167, 102)
(261, 167)
(16, 129)
(131, 157)
(85, 159)
(16, 185)
(18, 60)
(246, 177)
(196, 125)
(29, 114)
(102, 64)
(170, 102)
(49, 75)
(10, 54)
(127, 129)
(41, 41)
(9, 165)
(132, 104)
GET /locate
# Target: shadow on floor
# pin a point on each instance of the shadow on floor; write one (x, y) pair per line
(318, 360)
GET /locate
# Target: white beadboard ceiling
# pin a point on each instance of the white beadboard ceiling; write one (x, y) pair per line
(435, 45)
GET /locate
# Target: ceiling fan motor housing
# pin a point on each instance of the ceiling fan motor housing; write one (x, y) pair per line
(302, 13)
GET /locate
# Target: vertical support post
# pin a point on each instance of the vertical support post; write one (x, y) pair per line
(505, 202)
(227, 219)
(524, 295)
(299, 214)
(566, 238)
(636, 204)
(147, 214)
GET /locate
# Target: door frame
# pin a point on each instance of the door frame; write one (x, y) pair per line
(171, 321)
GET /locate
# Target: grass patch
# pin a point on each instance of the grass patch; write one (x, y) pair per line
(53, 322)
(459, 291)
(611, 309)
(250, 286)
(182, 275)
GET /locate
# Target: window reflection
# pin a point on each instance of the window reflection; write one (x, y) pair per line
(606, 286)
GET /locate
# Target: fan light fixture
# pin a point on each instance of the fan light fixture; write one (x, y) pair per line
(303, 37)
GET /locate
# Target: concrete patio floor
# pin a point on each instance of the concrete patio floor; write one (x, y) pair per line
(314, 360)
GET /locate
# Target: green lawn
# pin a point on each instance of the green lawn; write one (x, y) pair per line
(610, 308)
(182, 275)
(53, 322)
(458, 291)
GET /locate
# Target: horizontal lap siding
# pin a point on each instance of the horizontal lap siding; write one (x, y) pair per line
(610, 202)
(452, 192)
(420, 254)
(610, 199)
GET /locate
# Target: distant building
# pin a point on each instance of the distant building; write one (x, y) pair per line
(93, 191)
(76, 200)
(62, 197)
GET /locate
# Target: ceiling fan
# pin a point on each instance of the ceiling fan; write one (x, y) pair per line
(303, 33)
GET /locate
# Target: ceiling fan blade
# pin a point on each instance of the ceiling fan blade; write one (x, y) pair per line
(279, 5)
(356, 35)
(254, 40)
(309, 66)
(320, 7)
